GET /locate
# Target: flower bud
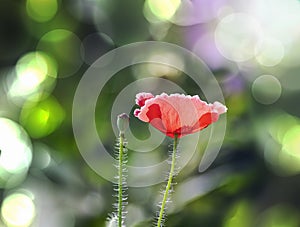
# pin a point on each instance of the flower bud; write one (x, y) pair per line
(123, 122)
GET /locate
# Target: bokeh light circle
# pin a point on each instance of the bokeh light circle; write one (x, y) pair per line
(266, 89)
(18, 210)
(279, 136)
(163, 9)
(270, 52)
(279, 19)
(41, 11)
(65, 47)
(42, 118)
(291, 141)
(91, 84)
(33, 79)
(237, 36)
(16, 152)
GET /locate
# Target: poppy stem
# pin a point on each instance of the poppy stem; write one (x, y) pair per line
(117, 218)
(169, 183)
(120, 183)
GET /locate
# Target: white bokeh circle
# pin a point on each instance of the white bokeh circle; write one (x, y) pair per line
(237, 36)
(266, 89)
(93, 81)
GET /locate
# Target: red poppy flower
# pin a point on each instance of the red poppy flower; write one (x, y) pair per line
(177, 114)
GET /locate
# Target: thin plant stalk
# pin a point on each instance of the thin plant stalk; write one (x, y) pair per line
(169, 183)
(117, 219)
(120, 183)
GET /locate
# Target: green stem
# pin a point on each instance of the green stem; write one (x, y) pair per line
(120, 185)
(169, 184)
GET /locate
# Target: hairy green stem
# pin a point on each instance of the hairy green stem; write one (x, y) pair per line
(120, 185)
(169, 184)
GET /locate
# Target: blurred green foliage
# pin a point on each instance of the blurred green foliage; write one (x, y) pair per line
(254, 180)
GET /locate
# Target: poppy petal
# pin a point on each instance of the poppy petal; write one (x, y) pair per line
(142, 97)
(177, 113)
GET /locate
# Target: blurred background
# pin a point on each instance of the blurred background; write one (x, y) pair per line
(252, 48)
